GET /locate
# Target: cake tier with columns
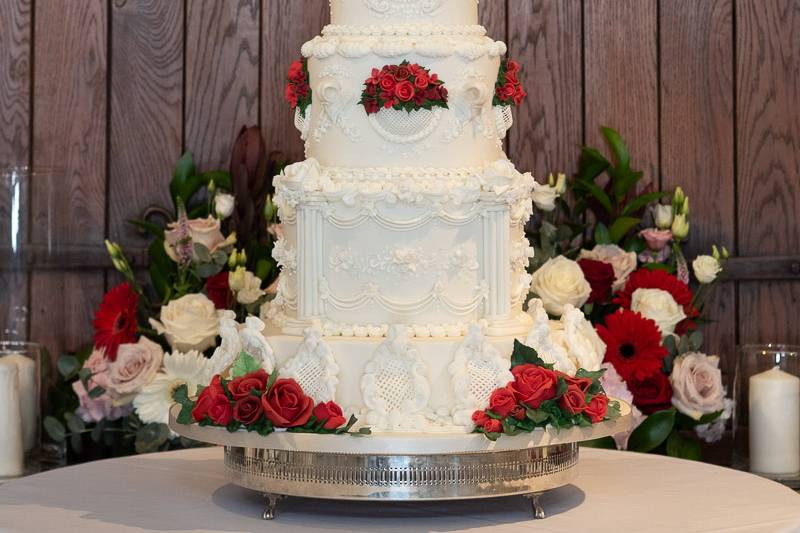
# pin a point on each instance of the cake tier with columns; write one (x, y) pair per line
(385, 12)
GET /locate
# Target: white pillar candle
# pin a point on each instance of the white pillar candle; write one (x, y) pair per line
(774, 423)
(12, 453)
(28, 397)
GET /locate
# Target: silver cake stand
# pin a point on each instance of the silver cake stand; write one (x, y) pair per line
(401, 467)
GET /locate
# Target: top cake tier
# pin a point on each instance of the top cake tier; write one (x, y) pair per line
(383, 12)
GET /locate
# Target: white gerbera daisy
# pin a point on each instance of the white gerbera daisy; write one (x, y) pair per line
(153, 402)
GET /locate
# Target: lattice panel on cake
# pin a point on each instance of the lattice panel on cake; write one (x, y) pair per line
(483, 380)
(504, 119)
(405, 127)
(314, 367)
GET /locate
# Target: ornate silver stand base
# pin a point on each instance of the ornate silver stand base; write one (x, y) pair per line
(278, 473)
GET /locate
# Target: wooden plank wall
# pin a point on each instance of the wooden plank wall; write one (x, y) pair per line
(705, 91)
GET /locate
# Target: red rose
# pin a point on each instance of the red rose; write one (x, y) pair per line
(652, 393)
(286, 405)
(442, 93)
(508, 90)
(518, 412)
(493, 426)
(533, 384)
(248, 410)
(512, 66)
(219, 409)
(404, 90)
(421, 81)
(374, 78)
(390, 103)
(597, 407)
(371, 91)
(502, 401)
(291, 95)
(206, 398)
(511, 77)
(519, 95)
(582, 383)
(573, 401)
(330, 413)
(301, 89)
(240, 387)
(219, 291)
(371, 105)
(296, 71)
(600, 277)
(479, 418)
(403, 73)
(388, 82)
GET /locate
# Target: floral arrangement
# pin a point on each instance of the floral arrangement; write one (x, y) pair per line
(257, 401)
(540, 396)
(406, 86)
(508, 89)
(212, 260)
(614, 252)
(298, 91)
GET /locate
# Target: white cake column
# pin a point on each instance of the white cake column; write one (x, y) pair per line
(496, 260)
(310, 261)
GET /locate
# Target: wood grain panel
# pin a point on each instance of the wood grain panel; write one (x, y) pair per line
(146, 109)
(222, 62)
(15, 31)
(69, 124)
(621, 77)
(768, 153)
(545, 37)
(281, 46)
(697, 138)
(492, 16)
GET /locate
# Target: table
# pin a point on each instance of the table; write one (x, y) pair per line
(187, 491)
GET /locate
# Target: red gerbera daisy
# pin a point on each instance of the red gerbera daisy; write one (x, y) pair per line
(633, 344)
(115, 320)
(661, 279)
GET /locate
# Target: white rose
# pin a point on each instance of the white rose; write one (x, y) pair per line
(223, 205)
(558, 282)
(582, 343)
(659, 306)
(246, 285)
(544, 196)
(706, 268)
(189, 323)
(697, 385)
(623, 263)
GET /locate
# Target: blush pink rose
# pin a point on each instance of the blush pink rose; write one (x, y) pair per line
(135, 367)
(205, 231)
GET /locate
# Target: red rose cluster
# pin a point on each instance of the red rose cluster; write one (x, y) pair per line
(405, 86)
(298, 92)
(251, 402)
(508, 89)
(548, 393)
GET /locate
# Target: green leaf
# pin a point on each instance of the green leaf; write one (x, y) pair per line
(181, 394)
(621, 154)
(68, 365)
(74, 422)
(97, 431)
(526, 355)
(182, 172)
(652, 432)
(606, 443)
(206, 270)
(598, 193)
(621, 227)
(221, 179)
(55, 429)
(244, 364)
(642, 201)
(593, 375)
(153, 229)
(592, 164)
(96, 392)
(601, 235)
(185, 416)
(76, 442)
(623, 180)
(683, 447)
(537, 416)
(696, 339)
(202, 253)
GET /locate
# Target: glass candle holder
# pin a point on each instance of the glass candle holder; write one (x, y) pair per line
(767, 415)
(20, 407)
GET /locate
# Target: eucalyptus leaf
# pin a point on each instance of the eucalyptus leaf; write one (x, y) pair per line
(54, 428)
(653, 431)
(74, 422)
(76, 442)
(97, 431)
(201, 252)
(68, 365)
(696, 339)
(206, 270)
(96, 392)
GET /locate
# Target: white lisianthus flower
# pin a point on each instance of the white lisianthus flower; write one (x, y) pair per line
(189, 323)
(706, 268)
(544, 196)
(623, 263)
(659, 306)
(680, 227)
(223, 205)
(246, 285)
(663, 216)
(558, 282)
(697, 385)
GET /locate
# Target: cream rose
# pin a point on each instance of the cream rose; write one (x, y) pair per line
(706, 268)
(223, 205)
(697, 385)
(558, 282)
(623, 263)
(544, 196)
(659, 306)
(136, 366)
(205, 231)
(189, 323)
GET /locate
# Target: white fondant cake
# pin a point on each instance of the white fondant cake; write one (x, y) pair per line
(403, 230)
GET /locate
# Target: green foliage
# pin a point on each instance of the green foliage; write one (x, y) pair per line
(606, 443)
(523, 355)
(653, 431)
(55, 429)
(683, 447)
(244, 364)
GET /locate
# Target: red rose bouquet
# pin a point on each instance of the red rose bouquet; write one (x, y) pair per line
(406, 86)
(298, 91)
(508, 88)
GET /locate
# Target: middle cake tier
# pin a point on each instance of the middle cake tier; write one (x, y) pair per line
(433, 249)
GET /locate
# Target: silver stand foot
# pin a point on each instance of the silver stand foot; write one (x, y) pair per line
(270, 505)
(536, 505)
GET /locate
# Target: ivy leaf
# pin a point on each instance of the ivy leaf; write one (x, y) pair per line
(653, 431)
(244, 364)
(526, 355)
(683, 447)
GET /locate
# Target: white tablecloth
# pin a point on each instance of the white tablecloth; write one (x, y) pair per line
(187, 491)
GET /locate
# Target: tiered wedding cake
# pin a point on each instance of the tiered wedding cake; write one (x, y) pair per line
(403, 257)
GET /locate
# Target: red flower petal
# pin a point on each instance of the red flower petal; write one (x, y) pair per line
(115, 320)
(633, 344)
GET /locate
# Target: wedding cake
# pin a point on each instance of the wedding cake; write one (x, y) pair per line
(403, 255)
